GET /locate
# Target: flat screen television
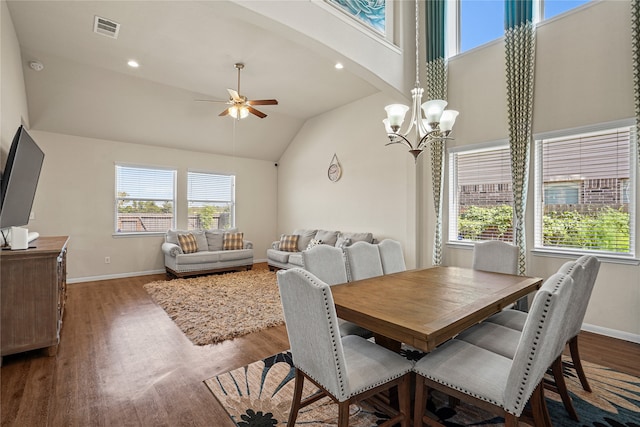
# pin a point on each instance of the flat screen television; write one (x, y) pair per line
(19, 180)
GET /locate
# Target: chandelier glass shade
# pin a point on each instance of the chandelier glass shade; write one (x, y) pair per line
(430, 119)
(238, 112)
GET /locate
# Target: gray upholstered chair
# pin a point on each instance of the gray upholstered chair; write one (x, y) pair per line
(504, 341)
(346, 369)
(492, 381)
(515, 319)
(496, 256)
(363, 261)
(327, 263)
(391, 256)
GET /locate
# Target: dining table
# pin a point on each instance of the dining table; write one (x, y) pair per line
(426, 307)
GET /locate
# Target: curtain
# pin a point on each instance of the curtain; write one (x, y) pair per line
(520, 64)
(635, 45)
(436, 89)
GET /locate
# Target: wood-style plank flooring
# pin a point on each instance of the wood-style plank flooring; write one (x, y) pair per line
(122, 362)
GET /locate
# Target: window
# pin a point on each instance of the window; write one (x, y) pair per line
(211, 200)
(480, 195)
(585, 189)
(145, 199)
(481, 21)
(556, 7)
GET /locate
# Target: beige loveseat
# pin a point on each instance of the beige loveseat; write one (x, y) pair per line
(292, 257)
(210, 255)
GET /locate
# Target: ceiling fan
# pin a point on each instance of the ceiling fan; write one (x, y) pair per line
(240, 106)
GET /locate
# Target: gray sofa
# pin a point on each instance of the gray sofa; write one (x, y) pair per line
(210, 256)
(281, 259)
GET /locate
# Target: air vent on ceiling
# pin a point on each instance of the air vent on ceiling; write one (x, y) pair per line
(106, 27)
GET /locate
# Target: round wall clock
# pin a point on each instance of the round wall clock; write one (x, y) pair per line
(335, 170)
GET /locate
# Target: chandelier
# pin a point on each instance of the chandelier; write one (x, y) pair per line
(431, 121)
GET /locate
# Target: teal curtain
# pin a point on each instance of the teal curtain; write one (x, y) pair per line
(436, 89)
(635, 45)
(520, 65)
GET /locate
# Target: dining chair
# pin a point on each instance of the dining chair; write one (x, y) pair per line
(327, 263)
(495, 256)
(515, 319)
(492, 381)
(346, 369)
(504, 340)
(391, 256)
(363, 261)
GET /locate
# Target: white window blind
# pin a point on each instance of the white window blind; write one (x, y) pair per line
(211, 200)
(145, 199)
(480, 195)
(584, 189)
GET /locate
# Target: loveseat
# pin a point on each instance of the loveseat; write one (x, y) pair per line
(193, 252)
(287, 252)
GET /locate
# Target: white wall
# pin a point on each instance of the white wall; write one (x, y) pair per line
(13, 98)
(76, 194)
(583, 77)
(377, 183)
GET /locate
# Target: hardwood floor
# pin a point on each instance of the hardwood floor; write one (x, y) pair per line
(122, 362)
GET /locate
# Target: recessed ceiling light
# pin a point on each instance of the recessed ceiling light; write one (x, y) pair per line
(133, 63)
(339, 66)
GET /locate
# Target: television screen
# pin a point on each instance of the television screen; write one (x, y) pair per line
(19, 180)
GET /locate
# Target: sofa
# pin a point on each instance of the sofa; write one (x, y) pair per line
(287, 252)
(195, 252)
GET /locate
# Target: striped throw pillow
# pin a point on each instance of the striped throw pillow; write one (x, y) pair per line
(188, 243)
(232, 241)
(289, 242)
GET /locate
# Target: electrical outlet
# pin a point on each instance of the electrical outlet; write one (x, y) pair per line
(107, 260)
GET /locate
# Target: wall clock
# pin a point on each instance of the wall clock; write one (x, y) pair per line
(335, 170)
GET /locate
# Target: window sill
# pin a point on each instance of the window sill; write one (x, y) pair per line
(602, 256)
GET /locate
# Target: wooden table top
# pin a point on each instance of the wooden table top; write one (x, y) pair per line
(424, 308)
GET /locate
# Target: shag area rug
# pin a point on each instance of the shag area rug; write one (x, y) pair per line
(214, 308)
(260, 394)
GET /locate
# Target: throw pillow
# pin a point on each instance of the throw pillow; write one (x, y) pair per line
(188, 243)
(289, 242)
(313, 242)
(328, 237)
(304, 239)
(343, 242)
(201, 240)
(232, 241)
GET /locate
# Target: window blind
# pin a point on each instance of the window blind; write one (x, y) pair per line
(211, 200)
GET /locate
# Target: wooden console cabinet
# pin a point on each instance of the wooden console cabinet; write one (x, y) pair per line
(33, 290)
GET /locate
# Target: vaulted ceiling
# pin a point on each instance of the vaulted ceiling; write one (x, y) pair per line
(186, 51)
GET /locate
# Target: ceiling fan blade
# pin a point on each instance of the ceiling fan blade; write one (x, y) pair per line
(256, 112)
(224, 113)
(234, 95)
(263, 102)
(211, 100)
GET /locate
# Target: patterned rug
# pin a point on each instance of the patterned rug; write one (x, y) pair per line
(218, 307)
(259, 395)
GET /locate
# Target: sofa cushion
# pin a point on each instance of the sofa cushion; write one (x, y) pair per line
(358, 237)
(198, 258)
(296, 259)
(215, 237)
(188, 243)
(201, 240)
(305, 238)
(312, 243)
(327, 237)
(232, 241)
(289, 242)
(234, 255)
(278, 256)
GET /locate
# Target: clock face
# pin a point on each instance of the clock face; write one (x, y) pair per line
(334, 172)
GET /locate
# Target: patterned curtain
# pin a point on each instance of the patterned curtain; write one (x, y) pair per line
(436, 89)
(635, 45)
(520, 64)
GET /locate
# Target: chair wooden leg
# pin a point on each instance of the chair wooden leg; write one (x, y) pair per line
(510, 420)
(541, 416)
(343, 414)
(297, 398)
(420, 402)
(561, 385)
(575, 356)
(404, 400)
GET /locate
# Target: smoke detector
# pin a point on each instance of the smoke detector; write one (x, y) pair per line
(36, 65)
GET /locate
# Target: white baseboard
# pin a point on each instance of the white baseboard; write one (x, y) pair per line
(613, 333)
(114, 276)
